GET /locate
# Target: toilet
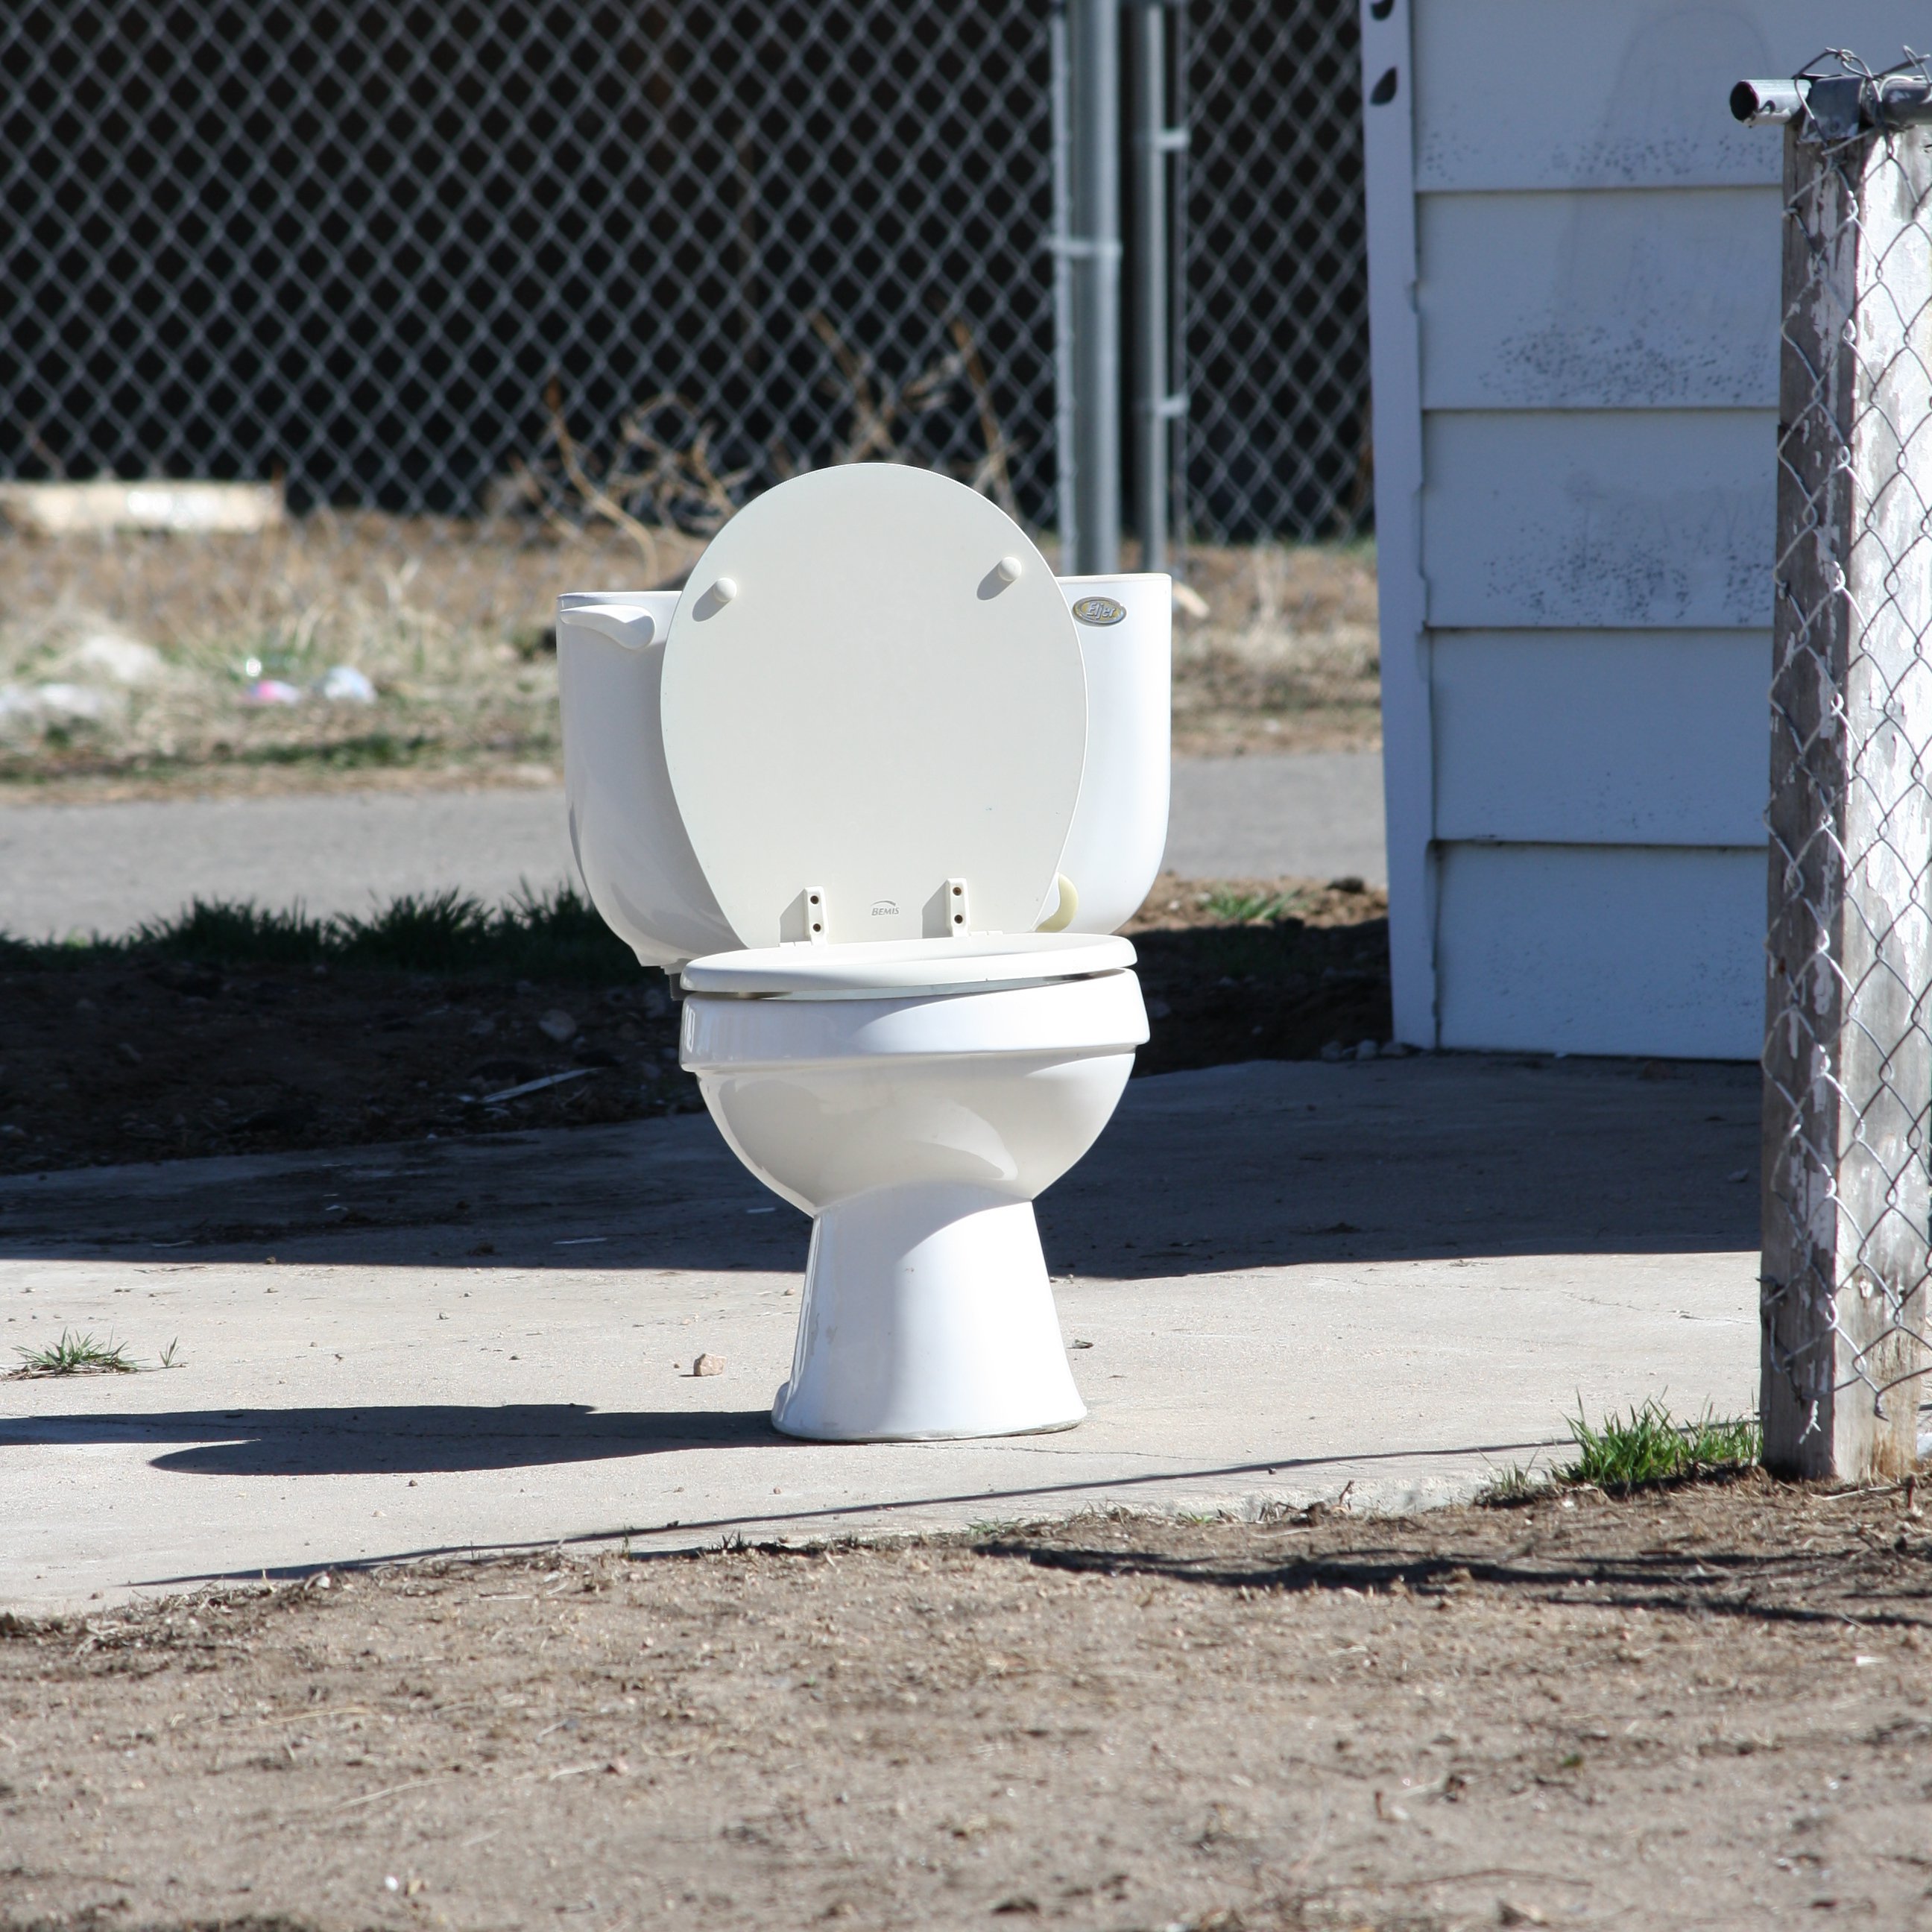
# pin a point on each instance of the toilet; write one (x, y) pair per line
(876, 789)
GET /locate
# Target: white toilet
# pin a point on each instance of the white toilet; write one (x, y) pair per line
(879, 788)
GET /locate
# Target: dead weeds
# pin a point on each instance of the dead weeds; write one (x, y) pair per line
(134, 665)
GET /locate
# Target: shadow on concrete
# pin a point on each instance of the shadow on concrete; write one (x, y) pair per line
(1250, 1165)
(1005, 1508)
(412, 1439)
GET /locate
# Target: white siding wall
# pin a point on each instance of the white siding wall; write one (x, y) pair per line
(1574, 265)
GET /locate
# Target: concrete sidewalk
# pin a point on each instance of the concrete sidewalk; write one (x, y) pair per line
(1282, 1282)
(106, 868)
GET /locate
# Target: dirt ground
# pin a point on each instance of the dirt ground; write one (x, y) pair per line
(135, 666)
(110, 1056)
(1711, 1707)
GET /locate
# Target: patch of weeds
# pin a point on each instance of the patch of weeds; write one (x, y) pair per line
(1511, 1486)
(368, 750)
(1650, 1446)
(1240, 908)
(171, 1356)
(76, 1354)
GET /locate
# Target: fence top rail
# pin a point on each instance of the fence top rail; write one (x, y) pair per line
(1836, 97)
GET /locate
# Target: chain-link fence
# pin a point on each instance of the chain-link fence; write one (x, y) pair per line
(389, 254)
(1848, 1057)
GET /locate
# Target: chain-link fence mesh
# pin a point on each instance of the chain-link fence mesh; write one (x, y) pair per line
(1848, 1059)
(387, 252)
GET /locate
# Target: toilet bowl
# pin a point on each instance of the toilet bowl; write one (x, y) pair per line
(877, 789)
(915, 1127)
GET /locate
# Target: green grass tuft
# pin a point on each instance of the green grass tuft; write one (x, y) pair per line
(1514, 1484)
(554, 935)
(1649, 1446)
(76, 1354)
(1240, 908)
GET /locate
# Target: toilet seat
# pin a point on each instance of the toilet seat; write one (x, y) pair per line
(873, 690)
(882, 969)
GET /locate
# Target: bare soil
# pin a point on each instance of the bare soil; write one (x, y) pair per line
(111, 1056)
(1709, 1707)
(450, 622)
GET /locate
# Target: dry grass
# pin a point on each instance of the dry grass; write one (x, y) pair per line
(1288, 658)
(449, 622)
(447, 619)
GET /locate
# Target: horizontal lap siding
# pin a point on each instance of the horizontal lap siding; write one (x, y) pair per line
(1648, 519)
(1603, 949)
(1597, 256)
(1629, 300)
(1594, 94)
(1601, 737)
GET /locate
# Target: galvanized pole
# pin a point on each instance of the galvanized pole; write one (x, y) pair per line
(1149, 283)
(1176, 144)
(1066, 487)
(1094, 249)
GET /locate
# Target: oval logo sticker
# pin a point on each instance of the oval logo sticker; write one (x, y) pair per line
(1099, 611)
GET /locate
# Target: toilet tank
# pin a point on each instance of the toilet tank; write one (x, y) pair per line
(1119, 832)
(625, 830)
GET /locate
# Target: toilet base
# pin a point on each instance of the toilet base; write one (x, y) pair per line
(926, 1315)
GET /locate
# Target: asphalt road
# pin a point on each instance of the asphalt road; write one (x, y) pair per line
(68, 868)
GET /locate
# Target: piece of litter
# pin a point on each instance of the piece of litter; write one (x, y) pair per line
(343, 684)
(708, 1365)
(536, 1086)
(761, 1210)
(581, 1240)
(271, 691)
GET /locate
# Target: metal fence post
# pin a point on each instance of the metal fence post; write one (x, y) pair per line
(1095, 249)
(1066, 478)
(1848, 1054)
(1158, 399)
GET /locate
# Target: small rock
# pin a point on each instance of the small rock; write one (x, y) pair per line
(9, 1131)
(558, 1025)
(85, 1007)
(126, 1051)
(1393, 1049)
(1333, 1051)
(1367, 1049)
(1159, 1009)
(656, 1003)
(708, 1365)
(1349, 882)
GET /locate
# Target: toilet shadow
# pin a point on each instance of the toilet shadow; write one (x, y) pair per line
(426, 1438)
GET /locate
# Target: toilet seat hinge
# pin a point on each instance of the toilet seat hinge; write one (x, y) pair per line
(803, 921)
(958, 909)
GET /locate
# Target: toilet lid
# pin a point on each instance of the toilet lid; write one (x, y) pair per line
(856, 702)
(910, 965)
